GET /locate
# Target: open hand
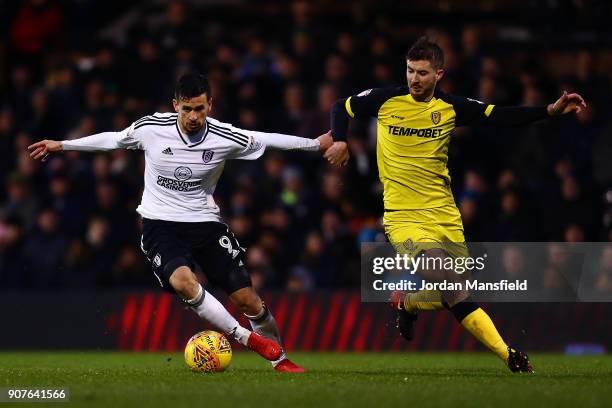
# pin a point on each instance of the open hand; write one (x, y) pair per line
(41, 150)
(567, 103)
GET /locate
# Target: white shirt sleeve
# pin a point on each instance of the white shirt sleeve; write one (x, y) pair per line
(126, 139)
(259, 141)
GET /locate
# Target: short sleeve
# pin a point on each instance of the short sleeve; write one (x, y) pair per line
(367, 103)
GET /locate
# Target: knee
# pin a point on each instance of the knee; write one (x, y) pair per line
(184, 282)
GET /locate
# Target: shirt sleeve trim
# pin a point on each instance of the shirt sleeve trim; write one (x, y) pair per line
(347, 105)
(489, 110)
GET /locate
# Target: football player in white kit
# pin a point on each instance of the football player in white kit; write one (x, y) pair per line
(182, 228)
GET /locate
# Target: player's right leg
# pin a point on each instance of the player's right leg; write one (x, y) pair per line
(407, 231)
(222, 258)
(262, 322)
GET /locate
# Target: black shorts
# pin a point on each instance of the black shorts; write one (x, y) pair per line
(209, 245)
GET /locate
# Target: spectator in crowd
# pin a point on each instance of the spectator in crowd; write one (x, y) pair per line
(604, 277)
(44, 251)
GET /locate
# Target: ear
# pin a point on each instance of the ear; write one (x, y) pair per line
(209, 107)
(439, 74)
(175, 105)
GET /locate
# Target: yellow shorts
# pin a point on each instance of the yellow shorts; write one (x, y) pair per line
(413, 231)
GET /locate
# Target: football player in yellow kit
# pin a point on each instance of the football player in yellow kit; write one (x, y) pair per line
(414, 124)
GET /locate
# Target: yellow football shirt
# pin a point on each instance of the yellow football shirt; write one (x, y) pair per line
(412, 142)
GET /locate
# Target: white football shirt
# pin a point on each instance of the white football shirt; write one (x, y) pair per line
(181, 172)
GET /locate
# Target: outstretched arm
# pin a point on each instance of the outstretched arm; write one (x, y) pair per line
(520, 115)
(288, 142)
(252, 144)
(515, 115)
(470, 111)
(98, 142)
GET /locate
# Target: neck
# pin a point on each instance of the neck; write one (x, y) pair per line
(185, 132)
(423, 98)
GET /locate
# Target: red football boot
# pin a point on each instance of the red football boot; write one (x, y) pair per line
(268, 349)
(288, 366)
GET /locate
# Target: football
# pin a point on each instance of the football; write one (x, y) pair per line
(208, 351)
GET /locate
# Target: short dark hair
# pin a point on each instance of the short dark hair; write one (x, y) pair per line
(190, 86)
(425, 50)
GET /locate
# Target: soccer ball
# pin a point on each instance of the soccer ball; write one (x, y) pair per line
(208, 351)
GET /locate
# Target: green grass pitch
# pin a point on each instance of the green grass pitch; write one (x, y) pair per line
(145, 380)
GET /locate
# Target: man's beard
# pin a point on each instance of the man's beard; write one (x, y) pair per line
(424, 93)
(192, 131)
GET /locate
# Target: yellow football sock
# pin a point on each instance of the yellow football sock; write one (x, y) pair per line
(423, 300)
(480, 325)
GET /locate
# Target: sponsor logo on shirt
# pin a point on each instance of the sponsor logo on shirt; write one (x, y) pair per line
(178, 185)
(402, 131)
(183, 173)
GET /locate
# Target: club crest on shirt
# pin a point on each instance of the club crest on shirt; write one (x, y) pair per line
(183, 173)
(207, 155)
(409, 245)
(436, 117)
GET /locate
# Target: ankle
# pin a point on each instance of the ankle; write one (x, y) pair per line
(241, 335)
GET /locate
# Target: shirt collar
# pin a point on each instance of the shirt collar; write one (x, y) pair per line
(194, 140)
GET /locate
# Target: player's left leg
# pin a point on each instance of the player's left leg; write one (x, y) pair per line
(222, 262)
(467, 312)
(262, 322)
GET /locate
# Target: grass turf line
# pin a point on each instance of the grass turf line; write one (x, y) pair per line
(150, 380)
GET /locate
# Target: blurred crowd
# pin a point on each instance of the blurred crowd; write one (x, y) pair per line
(71, 69)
